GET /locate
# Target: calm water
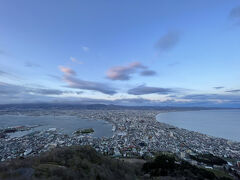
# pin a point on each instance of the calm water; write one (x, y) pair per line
(219, 123)
(68, 124)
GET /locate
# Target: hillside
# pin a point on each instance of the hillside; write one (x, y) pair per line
(83, 162)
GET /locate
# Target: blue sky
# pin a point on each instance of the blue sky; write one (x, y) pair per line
(158, 52)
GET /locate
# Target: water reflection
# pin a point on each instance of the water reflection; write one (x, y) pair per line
(67, 124)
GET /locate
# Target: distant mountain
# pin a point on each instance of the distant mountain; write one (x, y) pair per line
(52, 106)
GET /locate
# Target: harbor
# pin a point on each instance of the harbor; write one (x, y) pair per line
(135, 134)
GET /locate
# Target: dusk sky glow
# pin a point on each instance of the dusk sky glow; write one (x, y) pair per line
(158, 52)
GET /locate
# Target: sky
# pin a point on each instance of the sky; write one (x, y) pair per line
(138, 52)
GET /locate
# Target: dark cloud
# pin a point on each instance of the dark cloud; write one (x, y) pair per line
(54, 77)
(8, 75)
(219, 87)
(233, 91)
(201, 96)
(10, 93)
(3, 73)
(210, 100)
(10, 89)
(235, 15)
(88, 85)
(47, 91)
(141, 90)
(79, 92)
(51, 91)
(168, 41)
(148, 73)
(235, 12)
(31, 65)
(216, 97)
(54, 92)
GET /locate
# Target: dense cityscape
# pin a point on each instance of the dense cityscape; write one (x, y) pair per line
(136, 133)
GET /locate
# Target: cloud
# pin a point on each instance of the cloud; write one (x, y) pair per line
(235, 12)
(17, 94)
(235, 15)
(124, 73)
(210, 100)
(215, 97)
(148, 73)
(31, 64)
(10, 89)
(218, 87)
(6, 89)
(73, 82)
(47, 91)
(88, 85)
(85, 48)
(75, 60)
(10, 93)
(54, 92)
(54, 77)
(141, 90)
(8, 75)
(67, 71)
(3, 73)
(168, 41)
(201, 96)
(233, 91)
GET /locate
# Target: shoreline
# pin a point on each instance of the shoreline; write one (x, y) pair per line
(136, 133)
(213, 136)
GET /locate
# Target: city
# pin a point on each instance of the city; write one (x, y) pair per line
(136, 134)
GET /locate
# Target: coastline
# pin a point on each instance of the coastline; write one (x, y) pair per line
(192, 128)
(136, 133)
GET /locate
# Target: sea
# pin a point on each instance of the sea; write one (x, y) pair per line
(65, 124)
(217, 123)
